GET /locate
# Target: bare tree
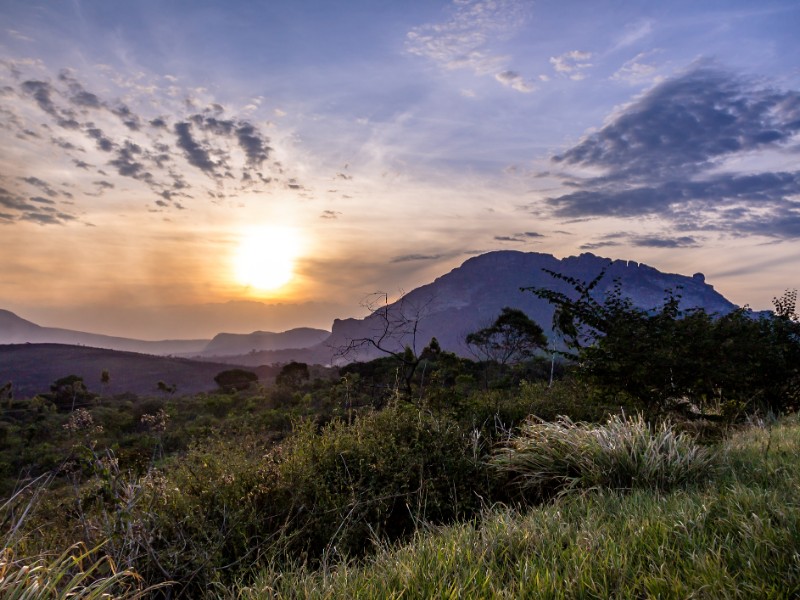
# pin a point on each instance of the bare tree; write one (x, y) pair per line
(394, 331)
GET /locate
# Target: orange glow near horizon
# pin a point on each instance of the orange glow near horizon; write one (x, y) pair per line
(265, 258)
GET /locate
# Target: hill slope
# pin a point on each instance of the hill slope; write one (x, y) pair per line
(33, 367)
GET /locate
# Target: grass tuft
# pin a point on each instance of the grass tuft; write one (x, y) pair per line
(549, 458)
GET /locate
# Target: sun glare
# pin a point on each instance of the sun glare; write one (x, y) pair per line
(266, 257)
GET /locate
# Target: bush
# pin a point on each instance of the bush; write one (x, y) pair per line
(625, 453)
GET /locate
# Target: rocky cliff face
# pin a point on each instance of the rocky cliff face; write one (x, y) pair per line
(471, 296)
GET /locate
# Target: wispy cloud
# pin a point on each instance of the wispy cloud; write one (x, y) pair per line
(572, 64)
(469, 38)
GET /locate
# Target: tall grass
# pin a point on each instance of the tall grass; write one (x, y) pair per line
(736, 537)
(547, 458)
(77, 573)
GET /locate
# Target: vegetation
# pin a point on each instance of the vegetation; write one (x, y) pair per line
(449, 478)
(737, 536)
(736, 363)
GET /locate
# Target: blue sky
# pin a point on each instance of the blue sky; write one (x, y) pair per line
(142, 141)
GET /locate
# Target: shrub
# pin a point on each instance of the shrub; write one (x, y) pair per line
(625, 453)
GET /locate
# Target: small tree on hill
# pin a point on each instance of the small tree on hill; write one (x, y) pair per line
(235, 380)
(293, 375)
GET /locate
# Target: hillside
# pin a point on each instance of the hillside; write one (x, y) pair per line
(33, 367)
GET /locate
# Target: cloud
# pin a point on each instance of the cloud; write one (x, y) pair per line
(635, 70)
(197, 155)
(415, 257)
(153, 136)
(42, 185)
(468, 38)
(330, 214)
(515, 81)
(675, 151)
(253, 143)
(519, 237)
(665, 242)
(572, 64)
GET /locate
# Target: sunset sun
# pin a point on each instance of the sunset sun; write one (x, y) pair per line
(265, 258)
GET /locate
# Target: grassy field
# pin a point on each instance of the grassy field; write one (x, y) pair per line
(737, 535)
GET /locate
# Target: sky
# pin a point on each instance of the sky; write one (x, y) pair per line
(180, 168)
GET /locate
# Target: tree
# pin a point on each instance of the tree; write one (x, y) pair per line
(395, 330)
(512, 337)
(235, 380)
(666, 355)
(293, 374)
(68, 392)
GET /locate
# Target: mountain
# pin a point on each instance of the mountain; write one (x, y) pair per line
(231, 344)
(471, 297)
(16, 330)
(33, 367)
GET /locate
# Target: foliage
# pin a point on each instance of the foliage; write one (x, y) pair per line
(70, 392)
(511, 338)
(293, 374)
(735, 362)
(738, 537)
(235, 380)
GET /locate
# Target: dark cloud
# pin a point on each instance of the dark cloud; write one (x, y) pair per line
(414, 257)
(665, 242)
(253, 144)
(46, 218)
(330, 214)
(658, 154)
(103, 143)
(42, 185)
(126, 162)
(683, 124)
(81, 164)
(10, 200)
(41, 200)
(43, 92)
(158, 123)
(128, 118)
(508, 238)
(194, 152)
(597, 245)
(105, 185)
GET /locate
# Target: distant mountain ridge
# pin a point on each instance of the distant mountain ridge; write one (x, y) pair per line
(471, 296)
(16, 330)
(229, 344)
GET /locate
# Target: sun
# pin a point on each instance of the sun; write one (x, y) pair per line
(265, 259)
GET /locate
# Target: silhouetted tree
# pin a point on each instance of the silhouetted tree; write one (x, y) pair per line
(395, 333)
(293, 375)
(233, 380)
(511, 338)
